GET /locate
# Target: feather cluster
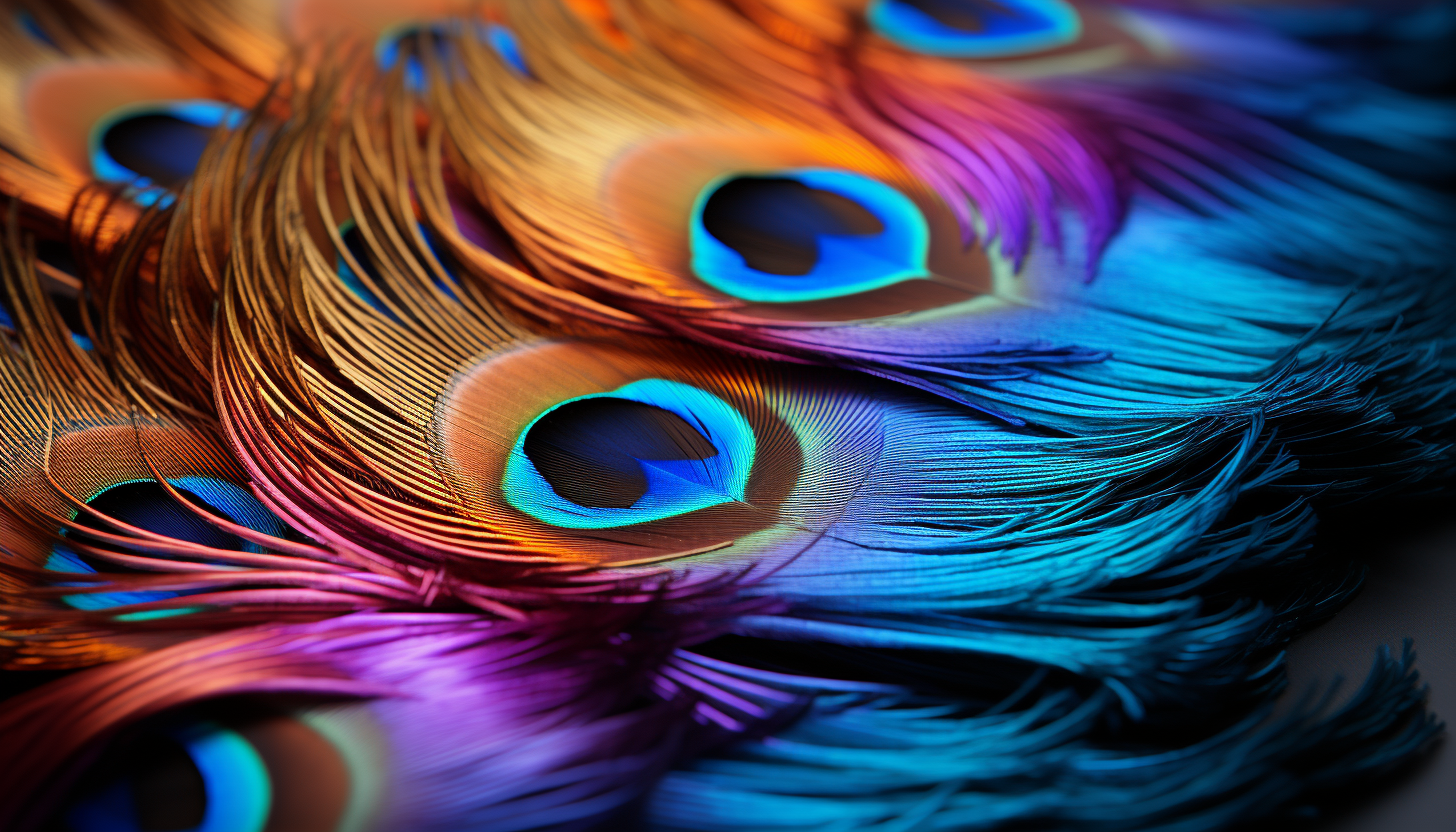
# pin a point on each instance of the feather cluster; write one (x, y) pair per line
(704, 414)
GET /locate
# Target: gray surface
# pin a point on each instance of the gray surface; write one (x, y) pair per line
(1411, 591)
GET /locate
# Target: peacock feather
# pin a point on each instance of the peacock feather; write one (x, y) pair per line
(703, 414)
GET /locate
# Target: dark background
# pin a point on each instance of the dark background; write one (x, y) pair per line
(1410, 592)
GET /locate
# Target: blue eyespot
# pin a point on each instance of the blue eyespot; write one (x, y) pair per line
(62, 559)
(156, 145)
(410, 38)
(388, 47)
(976, 28)
(236, 504)
(646, 451)
(805, 234)
(199, 778)
(145, 504)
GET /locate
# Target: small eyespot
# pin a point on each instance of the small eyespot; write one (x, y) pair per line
(201, 776)
(156, 144)
(976, 28)
(146, 504)
(649, 450)
(411, 39)
(247, 768)
(805, 234)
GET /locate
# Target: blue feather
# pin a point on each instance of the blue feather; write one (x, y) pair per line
(892, 761)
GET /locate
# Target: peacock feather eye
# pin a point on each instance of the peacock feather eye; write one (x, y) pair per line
(250, 770)
(805, 234)
(145, 504)
(138, 123)
(646, 451)
(633, 451)
(817, 230)
(409, 40)
(201, 777)
(156, 143)
(976, 28)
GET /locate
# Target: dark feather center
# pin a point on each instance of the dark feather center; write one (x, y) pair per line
(965, 15)
(588, 450)
(162, 148)
(775, 223)
(169, 792)
(148, 506)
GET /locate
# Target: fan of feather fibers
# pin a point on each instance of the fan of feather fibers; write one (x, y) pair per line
(723, 415)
